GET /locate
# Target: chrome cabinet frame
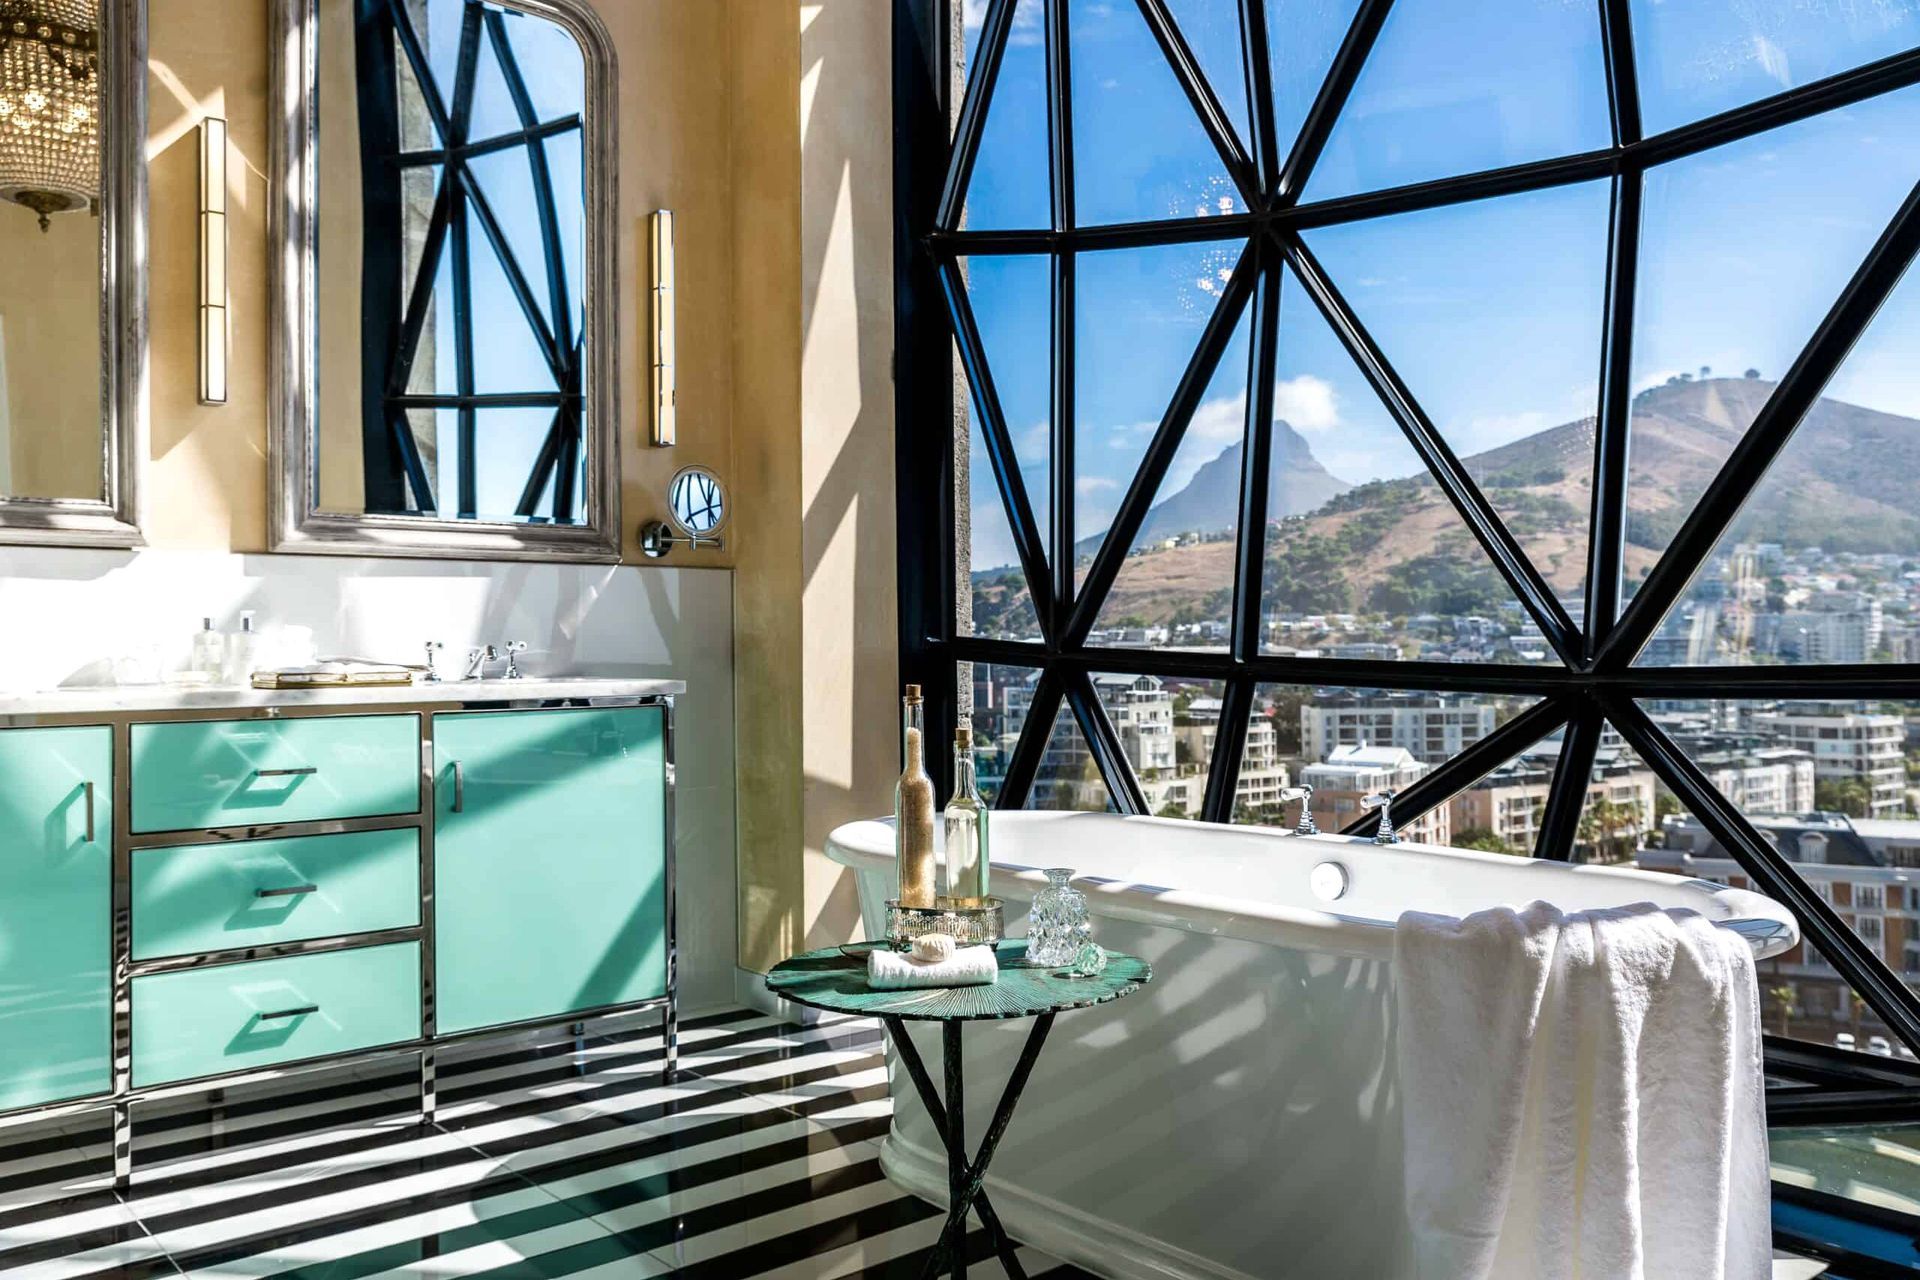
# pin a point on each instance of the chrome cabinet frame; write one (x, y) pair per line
(297, 523)
(124, 969)
(113, 519)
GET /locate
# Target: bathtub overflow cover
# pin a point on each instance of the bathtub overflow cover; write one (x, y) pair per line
(1328, 881)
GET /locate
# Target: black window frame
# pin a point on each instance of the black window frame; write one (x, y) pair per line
(938, 127)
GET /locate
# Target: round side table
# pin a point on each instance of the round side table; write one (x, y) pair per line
(831, 979)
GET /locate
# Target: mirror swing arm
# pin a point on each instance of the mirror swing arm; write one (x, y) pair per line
(299, 520)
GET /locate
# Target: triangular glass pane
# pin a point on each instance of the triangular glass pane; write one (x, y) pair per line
(1365, 556)
(998, 600)
(1138, 317)
(997, 697)
(1302, 37)
(1140, 153)
(507, 356)
(1743, 250)
(438, 24)
(507, 444)
(1531, 271)
(493, 112)
(1706, 56)
(1453, 88)
(1067, 777)
(507, 180)
(1817, 566)
(1010, 184)
(550, 64)
(1012, 300)
(570, 203)
(1211, 29)
(1166, 727)
(1175, 588)
(1824, 783)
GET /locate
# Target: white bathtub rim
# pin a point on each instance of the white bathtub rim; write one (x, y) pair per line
(1061, 1231)
(867, 845)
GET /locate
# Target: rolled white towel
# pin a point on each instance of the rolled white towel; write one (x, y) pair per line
(966, 967)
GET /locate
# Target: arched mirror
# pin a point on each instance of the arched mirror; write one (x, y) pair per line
(73, 325)
(444, 372)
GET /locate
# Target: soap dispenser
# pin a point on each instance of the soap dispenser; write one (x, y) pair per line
(208, 658)
(240, 652)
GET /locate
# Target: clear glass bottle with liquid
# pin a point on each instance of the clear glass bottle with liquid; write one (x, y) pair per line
(966, 862)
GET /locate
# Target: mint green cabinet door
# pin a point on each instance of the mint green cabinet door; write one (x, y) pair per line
(194, 775)
(56, 911)
(240, 1017)
(549, 862)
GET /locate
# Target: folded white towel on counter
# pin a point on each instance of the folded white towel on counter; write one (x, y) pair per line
(896, 971)
(1581, 1095)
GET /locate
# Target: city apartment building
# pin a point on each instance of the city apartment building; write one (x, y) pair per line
(1431, 726)
(1509, 801)
(1845, 743)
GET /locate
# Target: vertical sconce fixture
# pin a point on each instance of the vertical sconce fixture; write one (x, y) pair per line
(214, 340)
(663, 340)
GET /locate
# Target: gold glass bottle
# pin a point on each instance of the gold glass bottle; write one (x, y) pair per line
(966, 827)
(913, 808)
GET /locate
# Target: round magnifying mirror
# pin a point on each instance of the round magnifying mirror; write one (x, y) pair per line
(698, 502)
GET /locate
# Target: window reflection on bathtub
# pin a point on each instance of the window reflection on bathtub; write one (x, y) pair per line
(1828, 784)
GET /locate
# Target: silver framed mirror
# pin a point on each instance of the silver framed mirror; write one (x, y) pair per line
(73, 216)
(444, 378)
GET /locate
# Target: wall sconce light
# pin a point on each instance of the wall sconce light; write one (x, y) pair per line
(663, 340)
(214, 333)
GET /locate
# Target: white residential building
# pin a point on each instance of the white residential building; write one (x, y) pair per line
(1434, 727)
(1845, 743)
(1349, 774)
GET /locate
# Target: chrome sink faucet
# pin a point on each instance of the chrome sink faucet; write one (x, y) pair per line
(514, 649)
(1304, 794)
(477, 660)
(1383, 801)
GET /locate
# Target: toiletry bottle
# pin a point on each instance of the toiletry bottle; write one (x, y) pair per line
(966, 826)
(913, 808)
(208, 657)
(240, 652)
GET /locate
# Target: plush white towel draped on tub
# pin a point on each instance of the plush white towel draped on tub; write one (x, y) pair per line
(1581, 1095)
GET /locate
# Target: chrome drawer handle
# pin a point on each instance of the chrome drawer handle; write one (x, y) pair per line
(89, 787)
(292, 890)
(459, 788)
(303, 771)
(301, 1012)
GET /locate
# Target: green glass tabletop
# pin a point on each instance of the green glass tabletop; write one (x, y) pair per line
(832, 980)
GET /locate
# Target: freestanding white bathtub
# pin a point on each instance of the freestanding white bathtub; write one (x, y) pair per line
(1238, 1118)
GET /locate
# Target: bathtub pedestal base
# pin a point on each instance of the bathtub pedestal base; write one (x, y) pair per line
(965, 1179)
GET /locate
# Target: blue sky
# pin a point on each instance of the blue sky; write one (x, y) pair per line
(1490, 311)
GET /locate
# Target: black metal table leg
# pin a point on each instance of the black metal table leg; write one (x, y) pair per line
(966, 1180)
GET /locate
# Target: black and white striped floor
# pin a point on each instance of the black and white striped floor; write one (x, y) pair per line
(761, 1159)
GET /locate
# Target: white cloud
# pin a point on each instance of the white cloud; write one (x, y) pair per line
(1307, 402)
(1086, 486)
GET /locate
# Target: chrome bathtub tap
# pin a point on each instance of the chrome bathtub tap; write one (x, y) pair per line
(477, 661)
(1383, 801)
(1304, 794)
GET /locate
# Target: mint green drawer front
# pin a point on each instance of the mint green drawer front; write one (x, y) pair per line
(204, 1022)
(56, 914)
(234, 773)
(549, 863)
(250, 893)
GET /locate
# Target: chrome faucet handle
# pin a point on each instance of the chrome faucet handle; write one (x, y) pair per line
(514, 649)
(433, 657)
(1306, 826)
(1383, 801)
(477, 661)
(1304, 794)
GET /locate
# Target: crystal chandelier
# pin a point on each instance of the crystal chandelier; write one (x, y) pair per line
(49, 112)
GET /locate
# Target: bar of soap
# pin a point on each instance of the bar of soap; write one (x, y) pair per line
(933, 947)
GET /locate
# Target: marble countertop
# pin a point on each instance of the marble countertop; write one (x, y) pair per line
(150, 698)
